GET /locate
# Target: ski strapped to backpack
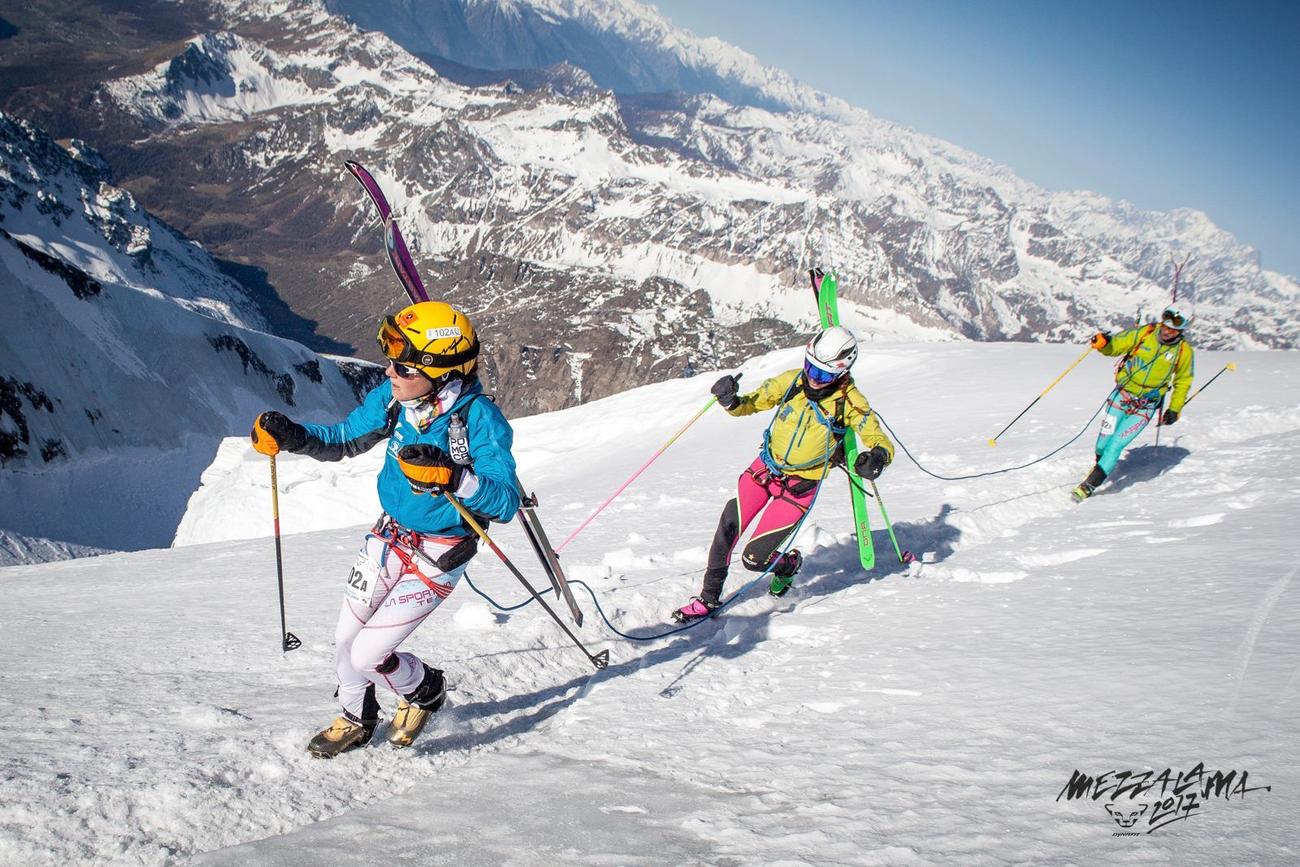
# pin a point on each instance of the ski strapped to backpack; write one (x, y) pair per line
(399, 256)
(458, 448)
(825, 288)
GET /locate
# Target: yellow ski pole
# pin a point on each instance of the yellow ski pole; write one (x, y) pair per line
(1231, 365)
(1077, 361)
(288, 641)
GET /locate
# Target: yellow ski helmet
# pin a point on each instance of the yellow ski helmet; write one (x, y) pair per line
(431, 336)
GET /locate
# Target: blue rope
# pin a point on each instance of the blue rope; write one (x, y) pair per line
(496, 604)
(1050, 454)
(795, 531)
(776, 558)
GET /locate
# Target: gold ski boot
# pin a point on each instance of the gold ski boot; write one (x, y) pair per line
(342, 735)
(414, 710)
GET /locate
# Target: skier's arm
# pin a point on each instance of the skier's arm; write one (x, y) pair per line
(1122, 342)
(859, 418)
(766, 396)
(1183, 373)
(364, 427)
(491, 490)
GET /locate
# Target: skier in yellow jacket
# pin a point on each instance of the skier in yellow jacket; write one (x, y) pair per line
(1157, 359)
(814, 408)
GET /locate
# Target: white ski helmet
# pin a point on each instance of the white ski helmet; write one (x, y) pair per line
(1175, 318)
(829, 355)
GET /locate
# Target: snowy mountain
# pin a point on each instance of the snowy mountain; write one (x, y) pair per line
(624, 47)
(925, 190)
(931, 715)
(126, 355)
(606, 238)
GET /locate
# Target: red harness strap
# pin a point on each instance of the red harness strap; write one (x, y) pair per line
(395, 537)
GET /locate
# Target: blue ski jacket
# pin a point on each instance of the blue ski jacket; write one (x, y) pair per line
(381, 417)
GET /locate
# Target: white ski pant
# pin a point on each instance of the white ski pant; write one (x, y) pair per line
(367, 636)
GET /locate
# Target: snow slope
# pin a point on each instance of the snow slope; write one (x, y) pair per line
(899, 717)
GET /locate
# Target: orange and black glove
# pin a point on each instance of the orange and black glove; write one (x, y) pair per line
(429, 469)
(274, 432)
(1100, 340)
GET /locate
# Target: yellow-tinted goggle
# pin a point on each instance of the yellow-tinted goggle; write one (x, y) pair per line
(393, 343)
(1173, 319)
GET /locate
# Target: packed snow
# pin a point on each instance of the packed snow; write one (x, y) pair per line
(911, 715)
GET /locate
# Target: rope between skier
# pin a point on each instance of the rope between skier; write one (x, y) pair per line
(775, 558)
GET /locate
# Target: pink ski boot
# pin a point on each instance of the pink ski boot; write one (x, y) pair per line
(694, 610)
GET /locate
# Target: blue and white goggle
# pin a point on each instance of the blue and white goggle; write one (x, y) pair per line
(820, 376)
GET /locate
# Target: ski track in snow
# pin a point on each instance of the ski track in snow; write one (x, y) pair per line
(910, 716)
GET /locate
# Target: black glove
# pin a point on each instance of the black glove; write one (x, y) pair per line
(1170, 416)
(429, 469)
(725, 390)
(870, 465)
(274, 432)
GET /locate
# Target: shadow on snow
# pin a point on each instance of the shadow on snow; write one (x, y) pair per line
(829, 571)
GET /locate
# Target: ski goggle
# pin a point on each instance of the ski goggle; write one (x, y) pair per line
(397, 347)
(818, 377)
(1173, 319)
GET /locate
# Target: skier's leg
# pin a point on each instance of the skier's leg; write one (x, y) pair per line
(356, 692)
(354, 686)
(1106, 448)
(788, 507)
(1127, 426)
(751, 496)
(406, 604)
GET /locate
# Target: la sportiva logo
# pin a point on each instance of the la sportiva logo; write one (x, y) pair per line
(1146, 801)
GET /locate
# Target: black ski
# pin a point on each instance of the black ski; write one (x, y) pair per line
(545, 553)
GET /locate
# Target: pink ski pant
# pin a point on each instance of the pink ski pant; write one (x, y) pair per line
(787, 499)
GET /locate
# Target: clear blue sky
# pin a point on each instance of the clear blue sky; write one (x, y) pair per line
(1165, 104)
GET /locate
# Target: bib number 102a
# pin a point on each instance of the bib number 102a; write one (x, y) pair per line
(361, 581)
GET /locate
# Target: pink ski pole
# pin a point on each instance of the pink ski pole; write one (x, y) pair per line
(641, 470)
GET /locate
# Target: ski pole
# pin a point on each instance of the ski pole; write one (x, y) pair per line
(1231, 365)
(903, 556)
(994, 440)
(641, 470)
(600, 660)
(288, 641)
(1160, 417)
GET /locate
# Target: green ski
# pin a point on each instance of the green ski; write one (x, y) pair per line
(824, 289)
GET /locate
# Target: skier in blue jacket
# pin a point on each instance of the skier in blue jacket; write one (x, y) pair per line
(442, 437)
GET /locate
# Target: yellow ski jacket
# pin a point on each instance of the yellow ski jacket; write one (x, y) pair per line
(1150, 365)
(797, 441)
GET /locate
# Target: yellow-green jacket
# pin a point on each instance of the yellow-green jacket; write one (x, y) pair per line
(1152, 366)
(796, 441)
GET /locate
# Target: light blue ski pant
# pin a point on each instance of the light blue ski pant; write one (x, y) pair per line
(1126, 416)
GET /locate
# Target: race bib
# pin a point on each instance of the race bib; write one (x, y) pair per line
(362, 578)
(1108, 425)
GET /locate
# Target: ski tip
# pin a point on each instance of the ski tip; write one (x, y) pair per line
(601, 660)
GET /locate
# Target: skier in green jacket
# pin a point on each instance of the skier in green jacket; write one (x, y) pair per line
(1156, 360)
